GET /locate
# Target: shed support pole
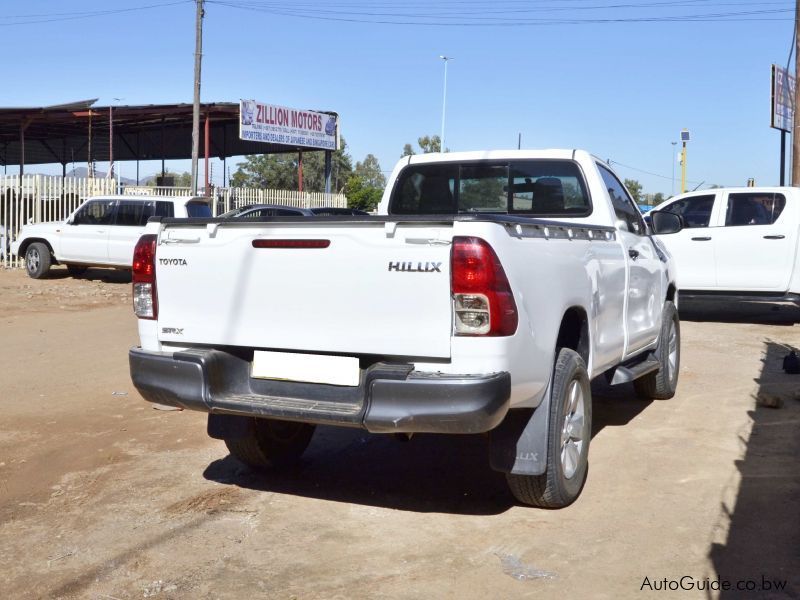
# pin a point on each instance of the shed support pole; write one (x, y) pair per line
(163, 170)
(328, 170)
(207, 135)
(300, 170)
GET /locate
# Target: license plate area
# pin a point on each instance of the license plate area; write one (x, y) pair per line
(307, 368)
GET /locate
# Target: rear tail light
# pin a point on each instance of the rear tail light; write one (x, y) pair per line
(483, 303)
(145, 301)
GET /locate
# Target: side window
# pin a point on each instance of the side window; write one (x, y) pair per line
(624, 208)
(256, 214)
(696, 211)
(95, 212)
(754, 208)
(133, 214)
(164, 209)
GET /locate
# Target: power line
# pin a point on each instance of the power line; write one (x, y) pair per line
(616, 162)
(482, 14)
(33, 19)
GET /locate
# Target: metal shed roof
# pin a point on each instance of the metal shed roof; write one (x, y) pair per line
(61, 133)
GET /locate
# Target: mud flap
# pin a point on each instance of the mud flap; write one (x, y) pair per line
(228, 427)
(519, 444)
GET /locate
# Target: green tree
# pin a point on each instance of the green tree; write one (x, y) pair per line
(360, 194)
(370, 172)
(427, 143)
(635, 188)
(180, 179)
(658, 199)
(279, 171)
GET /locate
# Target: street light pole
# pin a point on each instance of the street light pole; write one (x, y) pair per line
(673, 166)
(446, 59)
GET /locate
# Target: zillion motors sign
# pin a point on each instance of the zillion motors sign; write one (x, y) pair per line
(259, 122)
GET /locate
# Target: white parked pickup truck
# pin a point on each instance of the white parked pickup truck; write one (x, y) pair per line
(101, 232)
(737, 244)
(484, 297)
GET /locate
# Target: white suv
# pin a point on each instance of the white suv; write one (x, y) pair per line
(101, 232)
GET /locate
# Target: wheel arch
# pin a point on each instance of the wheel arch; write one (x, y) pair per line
(23, 247)
(573, 333)
(672, 294)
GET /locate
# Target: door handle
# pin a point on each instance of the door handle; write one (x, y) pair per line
(634, 254)
(774, 237)
(101, 231)
(701, 239)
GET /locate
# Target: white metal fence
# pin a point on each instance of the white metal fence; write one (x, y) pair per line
(41, 198)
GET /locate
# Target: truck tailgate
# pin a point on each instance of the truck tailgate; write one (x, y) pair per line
(373, 290)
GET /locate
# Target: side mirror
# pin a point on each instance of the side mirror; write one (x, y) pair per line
(666, 222)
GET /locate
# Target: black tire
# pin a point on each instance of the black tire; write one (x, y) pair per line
(76, 270)
(567, 459)
(270, 443)
(661, 384)
(37, 260)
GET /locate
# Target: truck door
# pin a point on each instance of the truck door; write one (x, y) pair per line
(85, 237)
(755, 248)
(644, 297)
(693, 246)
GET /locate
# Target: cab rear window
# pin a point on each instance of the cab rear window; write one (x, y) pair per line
(198, 209)
(530, 187)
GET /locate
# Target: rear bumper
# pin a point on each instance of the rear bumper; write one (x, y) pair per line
(390, 398)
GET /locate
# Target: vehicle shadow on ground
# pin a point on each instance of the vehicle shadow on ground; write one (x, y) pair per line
(763, 541)
(761, 314)
(429, 473)
(614, 406)
(122, 276)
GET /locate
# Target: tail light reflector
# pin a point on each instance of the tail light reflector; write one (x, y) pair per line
(291, 243)
(483, 303)
(145, 301)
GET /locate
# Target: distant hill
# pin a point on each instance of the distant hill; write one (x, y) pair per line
(84, 172)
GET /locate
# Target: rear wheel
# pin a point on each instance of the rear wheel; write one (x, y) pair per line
(568, 439)
(271, 443)
(37, 260)
(661, 384)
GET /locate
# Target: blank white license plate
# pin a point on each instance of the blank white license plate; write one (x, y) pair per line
(311, 368)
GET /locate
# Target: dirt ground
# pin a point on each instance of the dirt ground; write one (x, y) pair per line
(101, 496)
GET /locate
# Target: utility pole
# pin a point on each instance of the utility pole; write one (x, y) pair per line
(795, 100)
(198, 55)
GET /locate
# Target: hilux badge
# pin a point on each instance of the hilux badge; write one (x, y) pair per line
(418, 267)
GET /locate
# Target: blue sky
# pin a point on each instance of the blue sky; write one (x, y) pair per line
(622, 90)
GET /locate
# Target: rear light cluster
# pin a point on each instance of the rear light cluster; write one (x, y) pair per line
(145, 301)
(483, 303)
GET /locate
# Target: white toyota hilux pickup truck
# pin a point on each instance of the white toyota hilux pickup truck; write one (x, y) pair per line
(486, 295)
